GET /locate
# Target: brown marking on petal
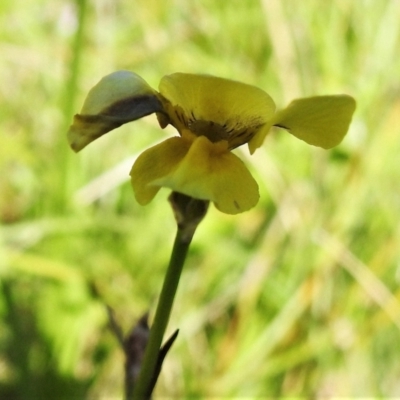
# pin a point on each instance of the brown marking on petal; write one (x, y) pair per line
(87, 128)
(236, 204)
(132, 108)
(235, 133)
(176, 116)
(180, 117)
(211, 130)
(242, 136)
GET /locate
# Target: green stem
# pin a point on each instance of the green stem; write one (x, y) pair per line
(164, 306)
(77, 50)
(69, 97)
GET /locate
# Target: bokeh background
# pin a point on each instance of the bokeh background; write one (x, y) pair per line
(298, 297)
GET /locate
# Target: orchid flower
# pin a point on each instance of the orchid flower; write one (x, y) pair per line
(212, 117)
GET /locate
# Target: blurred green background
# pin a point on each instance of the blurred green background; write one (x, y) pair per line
(298, 297)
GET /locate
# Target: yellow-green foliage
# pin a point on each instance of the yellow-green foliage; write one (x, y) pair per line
(297, 297)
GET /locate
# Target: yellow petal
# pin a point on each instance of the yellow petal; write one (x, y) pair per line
(321, 121)
(258, 139)
(154, 163)
(223, 101)
(118, 98)
(86, 128)
(113, 88)
(210, 172)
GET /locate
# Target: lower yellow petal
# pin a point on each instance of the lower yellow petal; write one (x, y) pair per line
(155, 163)
(321, 121)
(210, 172)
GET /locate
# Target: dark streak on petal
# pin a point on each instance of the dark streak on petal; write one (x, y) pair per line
(283, 127)
(86, 128)
(133, 108)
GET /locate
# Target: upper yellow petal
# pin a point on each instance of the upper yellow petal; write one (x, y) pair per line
(321, 121)
(112, 89)
(210, 172)
(154, 163)
(223, 101)
(118, 98)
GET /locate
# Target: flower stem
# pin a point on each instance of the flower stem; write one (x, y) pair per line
(163, 311)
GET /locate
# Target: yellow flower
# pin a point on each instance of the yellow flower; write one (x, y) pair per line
(212, 116)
